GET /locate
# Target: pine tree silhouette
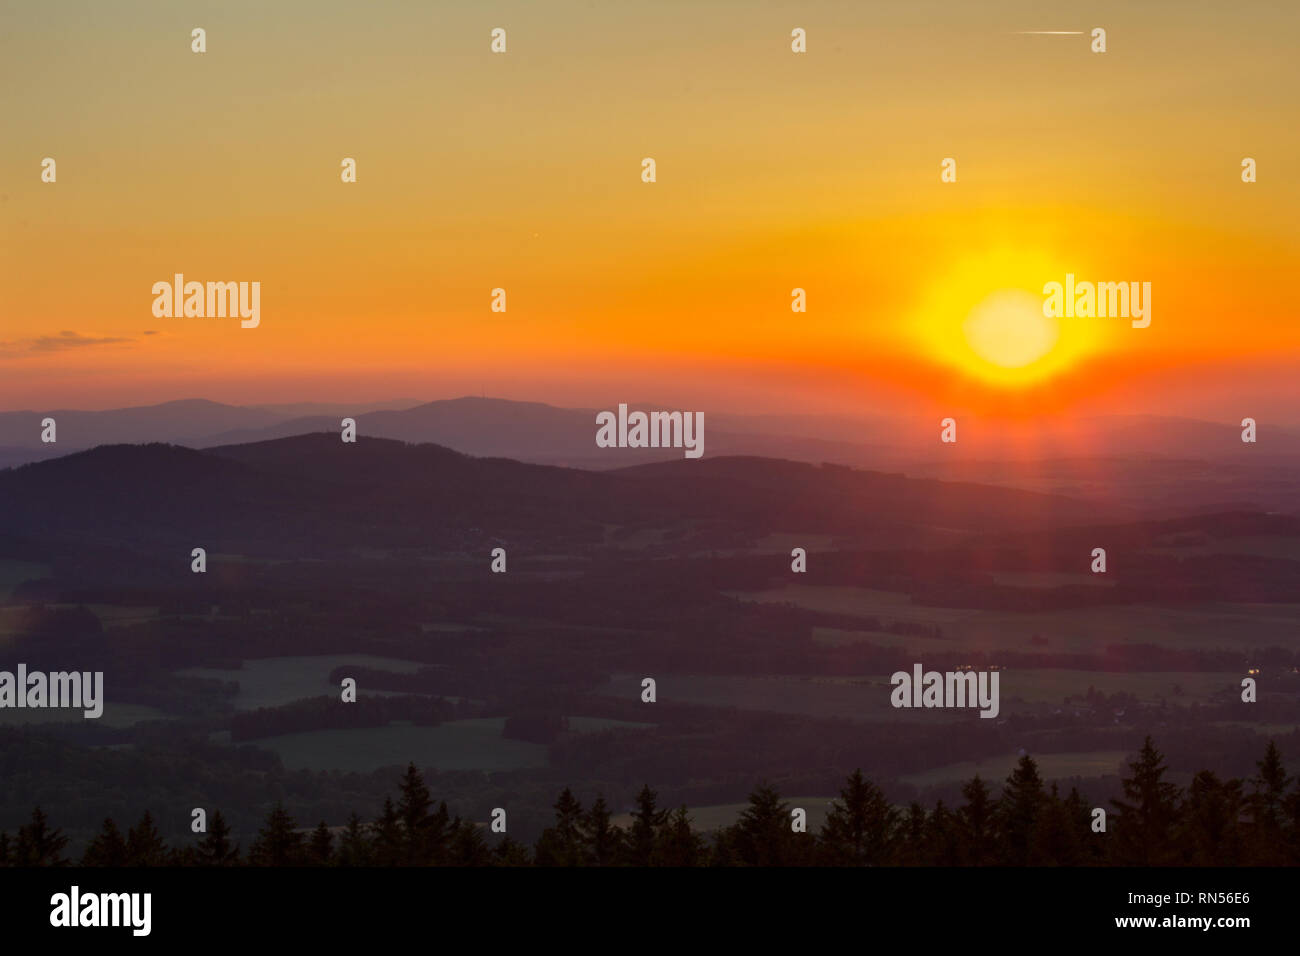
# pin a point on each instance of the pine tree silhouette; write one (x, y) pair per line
(215, 849)
(762, 836)
(1019, 807)
(278, 843)
(144, 845)
(909, 848)
(977, 818)
(1267, 805)
(355, 847)
(108, 848)
(424, 832)
(943, 837)
(860, 826)
(677, 843)
(388, 844)
(645, 827)
(1146, 820)
(1058, 839)
(468, 847)
(562, 844)
(510, 852)
(603, 841)
(320, 850)
(1209, 827)
(38, 844)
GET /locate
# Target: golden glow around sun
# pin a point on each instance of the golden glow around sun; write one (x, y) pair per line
(985, 317)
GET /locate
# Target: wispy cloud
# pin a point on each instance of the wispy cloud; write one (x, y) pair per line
(68, 340)
(56, 343)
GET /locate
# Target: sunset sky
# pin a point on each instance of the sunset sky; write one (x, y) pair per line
(775, 171)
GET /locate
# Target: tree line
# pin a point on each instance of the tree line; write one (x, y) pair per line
(1212, 822)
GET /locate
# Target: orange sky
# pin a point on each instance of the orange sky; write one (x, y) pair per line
(522, 171)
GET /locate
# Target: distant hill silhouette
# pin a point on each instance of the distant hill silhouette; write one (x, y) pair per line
(179, 422)
(546, 434)
(532, 431)
(316, 490)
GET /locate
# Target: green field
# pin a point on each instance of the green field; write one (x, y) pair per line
(11, 621)
(110, 615)
(1050, 686)
(865, 602)
(474, 744)
(868, 699)
(14, 573)
(853, 698)
(837, 637)
(783, 542)
(995, 770)
(1265, 730)
(115, 715)
(592, 725)
(451, 629)
(272, 681)
(118, 615)
(1074, 631)
(458, 745)
(1051, 579)
(1269, 546)
(1088, 630)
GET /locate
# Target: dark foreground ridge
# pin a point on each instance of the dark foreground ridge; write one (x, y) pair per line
(1214, 822)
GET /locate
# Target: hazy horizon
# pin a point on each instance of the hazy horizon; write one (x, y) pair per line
(595, 401)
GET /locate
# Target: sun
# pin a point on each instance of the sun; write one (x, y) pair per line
(984, 317)
(1008, 329)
